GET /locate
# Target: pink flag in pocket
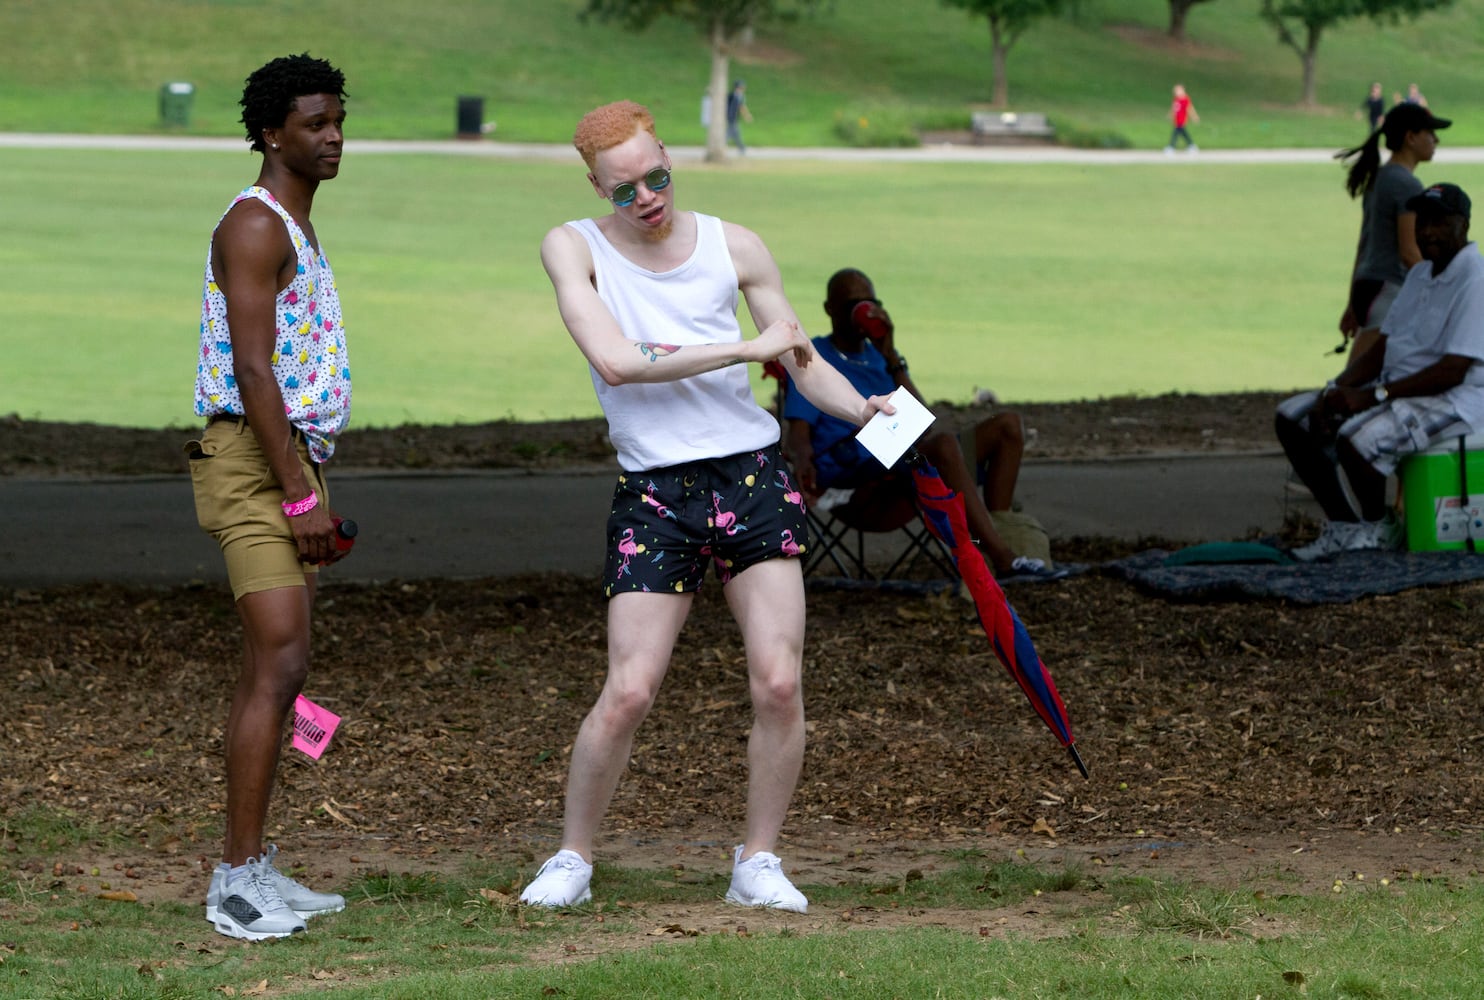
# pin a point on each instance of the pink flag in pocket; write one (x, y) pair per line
(313, 727)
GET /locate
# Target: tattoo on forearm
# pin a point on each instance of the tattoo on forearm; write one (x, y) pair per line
(654, 351)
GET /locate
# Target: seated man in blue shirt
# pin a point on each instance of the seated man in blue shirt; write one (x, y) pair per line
(825, 454)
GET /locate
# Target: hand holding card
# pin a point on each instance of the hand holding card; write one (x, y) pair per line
(889, 436)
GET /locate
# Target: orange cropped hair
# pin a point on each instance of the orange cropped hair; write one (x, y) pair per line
(609, 126)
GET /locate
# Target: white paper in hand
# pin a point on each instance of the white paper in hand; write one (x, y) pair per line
(887, 437)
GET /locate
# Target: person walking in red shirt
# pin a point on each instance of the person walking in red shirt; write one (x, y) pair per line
(1182, 111)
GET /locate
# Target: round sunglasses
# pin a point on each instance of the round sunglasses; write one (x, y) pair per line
(624, 194)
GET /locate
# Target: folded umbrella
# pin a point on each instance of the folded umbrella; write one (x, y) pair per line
(943, 512)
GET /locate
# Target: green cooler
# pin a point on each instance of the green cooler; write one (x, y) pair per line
(1437, 518)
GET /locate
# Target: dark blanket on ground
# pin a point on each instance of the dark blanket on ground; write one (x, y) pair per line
(1347, 577)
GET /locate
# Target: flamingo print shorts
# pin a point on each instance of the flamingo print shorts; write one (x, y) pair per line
(668, 523)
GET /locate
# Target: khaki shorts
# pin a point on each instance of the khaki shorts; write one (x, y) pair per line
(239, 503)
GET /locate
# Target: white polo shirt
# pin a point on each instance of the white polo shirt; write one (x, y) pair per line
(1434, 316)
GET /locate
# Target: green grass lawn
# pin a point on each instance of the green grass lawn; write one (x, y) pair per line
(97, 66)
(1040, 282)
(458, 933)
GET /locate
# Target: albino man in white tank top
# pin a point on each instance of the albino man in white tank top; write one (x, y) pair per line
(710, 415)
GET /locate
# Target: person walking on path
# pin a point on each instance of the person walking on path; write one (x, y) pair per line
(649, 295)
(737, 113)
(1387, 246)
(1374, 107)
(1182, 111)
(273, 385)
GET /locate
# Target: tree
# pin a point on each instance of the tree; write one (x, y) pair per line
(1178, 10)
(1313, 16)
(723, 22)
(1008, 20)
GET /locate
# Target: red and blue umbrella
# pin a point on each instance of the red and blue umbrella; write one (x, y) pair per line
(943, 512)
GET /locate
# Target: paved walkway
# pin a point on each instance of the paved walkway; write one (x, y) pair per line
(417, 526)
(561, 152)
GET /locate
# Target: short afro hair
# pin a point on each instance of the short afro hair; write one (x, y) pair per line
(272, 89)
(609, 126)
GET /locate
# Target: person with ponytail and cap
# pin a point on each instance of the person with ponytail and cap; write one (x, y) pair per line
(1388, 240)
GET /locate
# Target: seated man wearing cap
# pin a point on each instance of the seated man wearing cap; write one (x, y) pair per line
(1419, 378)
(826, 455)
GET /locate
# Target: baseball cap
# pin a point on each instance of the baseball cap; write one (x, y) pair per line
(1445, 199)
(1404, 118)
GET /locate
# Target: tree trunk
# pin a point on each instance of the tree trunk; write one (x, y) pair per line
(999, 49)
(1310, 57)
(1178, 10)
(716, 129)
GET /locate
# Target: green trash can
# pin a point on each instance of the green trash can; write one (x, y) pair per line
(175, 103)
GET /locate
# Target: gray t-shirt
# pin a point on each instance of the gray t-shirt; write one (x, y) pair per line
(1387, 199)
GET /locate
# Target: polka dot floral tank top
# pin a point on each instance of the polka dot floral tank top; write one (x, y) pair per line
(309, 355)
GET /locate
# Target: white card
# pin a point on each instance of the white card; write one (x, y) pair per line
(888, 437)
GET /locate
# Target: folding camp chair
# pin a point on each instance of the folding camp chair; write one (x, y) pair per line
(841, 521)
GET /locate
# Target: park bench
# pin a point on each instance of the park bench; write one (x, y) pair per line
(993, 125)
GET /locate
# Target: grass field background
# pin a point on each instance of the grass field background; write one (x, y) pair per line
(97, 65)
(1040, 282)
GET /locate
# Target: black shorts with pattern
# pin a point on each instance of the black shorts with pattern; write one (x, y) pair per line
(733, 512)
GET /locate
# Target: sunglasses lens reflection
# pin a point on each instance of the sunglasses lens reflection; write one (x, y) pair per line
(656, 180)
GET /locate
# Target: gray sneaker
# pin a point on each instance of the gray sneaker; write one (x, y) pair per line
(301, 899)
(759, 881)
(562, 881)
(304, 901)
(249, 907)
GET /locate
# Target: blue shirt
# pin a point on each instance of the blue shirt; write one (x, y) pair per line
(839, 460)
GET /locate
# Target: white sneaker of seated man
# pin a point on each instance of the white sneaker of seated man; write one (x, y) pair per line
(1351, 536)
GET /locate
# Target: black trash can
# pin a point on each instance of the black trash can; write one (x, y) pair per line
(471, 117)
(175, 103)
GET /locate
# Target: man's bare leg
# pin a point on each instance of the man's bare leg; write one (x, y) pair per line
(999, 446)
(642, 628)
(767, 600)
(275, 662)
(943, 451)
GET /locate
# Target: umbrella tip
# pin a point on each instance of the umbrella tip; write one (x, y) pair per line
(1077, 759)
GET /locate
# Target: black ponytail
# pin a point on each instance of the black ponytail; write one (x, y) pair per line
(1394, 128)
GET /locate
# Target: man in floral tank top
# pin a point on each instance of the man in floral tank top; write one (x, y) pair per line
(273, 386)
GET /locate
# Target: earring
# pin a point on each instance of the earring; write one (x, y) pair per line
(275, 145)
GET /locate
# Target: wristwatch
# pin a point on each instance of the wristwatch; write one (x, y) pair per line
(1381, 394)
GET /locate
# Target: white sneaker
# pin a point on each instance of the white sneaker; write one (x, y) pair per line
(1384, 534)
(759, 881)
(1334, 538)
(304, 901)
(1028, 569)
(562, 881)
(250, 907)
(1192, 148)
(1169, 150)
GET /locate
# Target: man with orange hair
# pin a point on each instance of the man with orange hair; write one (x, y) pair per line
(649, 294)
